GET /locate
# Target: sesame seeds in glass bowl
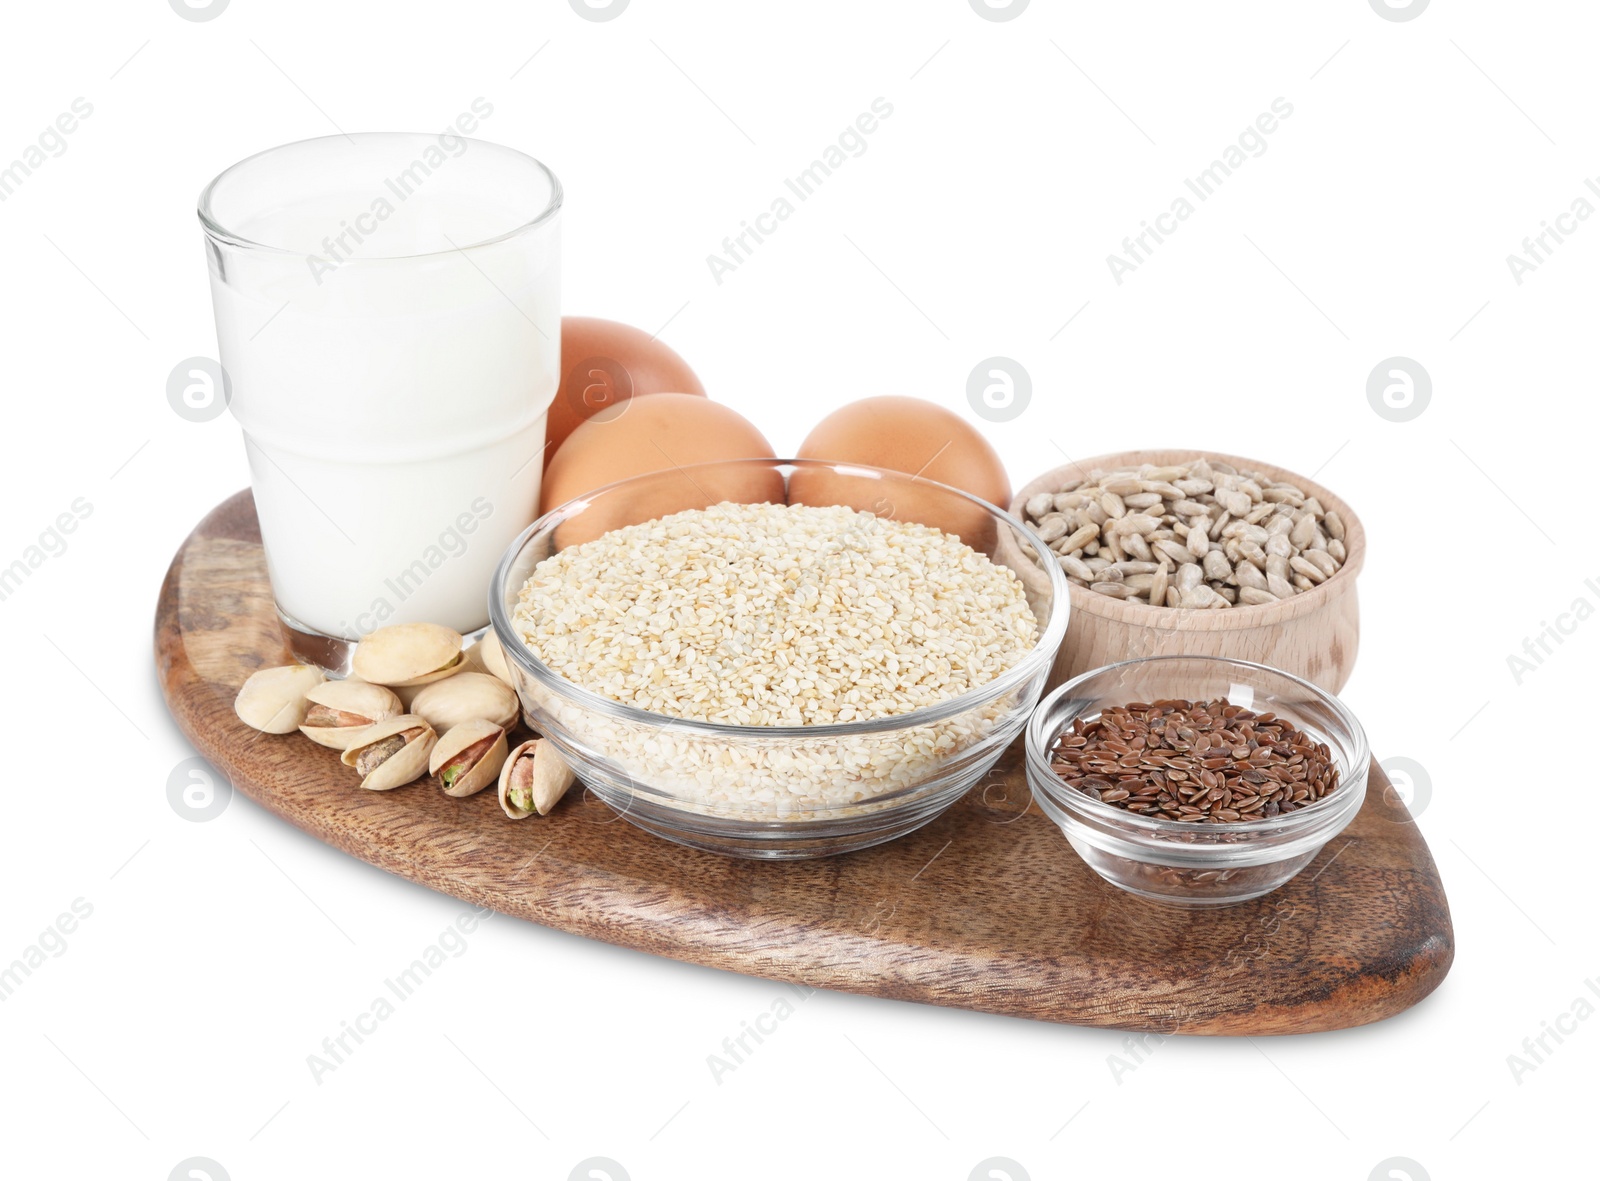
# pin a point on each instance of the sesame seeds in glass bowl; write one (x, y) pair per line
(775, 681)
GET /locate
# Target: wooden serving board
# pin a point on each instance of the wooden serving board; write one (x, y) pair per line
(986, 908)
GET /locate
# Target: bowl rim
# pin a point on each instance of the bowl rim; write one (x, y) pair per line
(1196, 618)
(1037, 660)
(1142, 826)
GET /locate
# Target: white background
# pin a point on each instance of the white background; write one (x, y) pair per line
(178, 1020)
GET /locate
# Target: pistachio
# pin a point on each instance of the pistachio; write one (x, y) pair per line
(489, 656)
(407, 654)
(472, 657)
(516, 780)
(391, 753)
(463, 697)
(341, 710)
(374, 756)
(533, 779)
(468, 757)
(273, 700)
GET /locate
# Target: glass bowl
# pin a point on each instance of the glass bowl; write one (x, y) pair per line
(780, 792)
(1197, 863)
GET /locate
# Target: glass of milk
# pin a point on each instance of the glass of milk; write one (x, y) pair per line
(388, 314)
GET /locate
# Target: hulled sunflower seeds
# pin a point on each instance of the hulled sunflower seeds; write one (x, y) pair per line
(1193, 761)
(1240, 536)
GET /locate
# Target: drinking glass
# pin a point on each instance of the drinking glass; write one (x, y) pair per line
(388, 318)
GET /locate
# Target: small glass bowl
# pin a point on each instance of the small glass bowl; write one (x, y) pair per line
(1197, 863)
(819, 790)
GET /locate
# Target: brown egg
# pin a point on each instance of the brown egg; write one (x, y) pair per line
(604, 363)
(661, 434)
(912, 436)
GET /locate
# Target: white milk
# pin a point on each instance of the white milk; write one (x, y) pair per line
(393, 407)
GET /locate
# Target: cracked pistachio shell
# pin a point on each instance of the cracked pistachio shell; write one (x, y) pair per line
(408, 654)
(273, 700)
(522, 752)
(463, 697)
(539, 765)
(408, 763)
(455, 740)
(551, 777)
(352, 696)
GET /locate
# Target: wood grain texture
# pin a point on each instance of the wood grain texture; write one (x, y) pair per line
(986, 908)
(1313, 635)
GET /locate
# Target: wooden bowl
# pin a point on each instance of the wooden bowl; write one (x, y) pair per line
(1313, 635)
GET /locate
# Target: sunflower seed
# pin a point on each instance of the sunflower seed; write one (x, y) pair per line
(1216, 566)
(1075, 567)
(1249, 576)
(1236, 502)
(1321, 559)
(1158, 587)
(1080, 538)
(1051, 528)
(1306, 567)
